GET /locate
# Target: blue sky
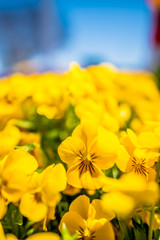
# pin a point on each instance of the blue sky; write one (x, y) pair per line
(117, 31)
(93, 31)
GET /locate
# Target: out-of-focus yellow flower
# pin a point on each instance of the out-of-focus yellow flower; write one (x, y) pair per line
(128, 193)
(92, 111)
(42, 195)
(50, 96)
(79, 84)
(14, 171)
(88, 220)
(139, 91)
(87, 152)
(10, 137)
(124, 113)
(103, 77)
(149, 138)
(133, 157)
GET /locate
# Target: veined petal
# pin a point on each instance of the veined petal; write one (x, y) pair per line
(73, 176)
(69, 150)
(73, 221)
(86, 179)
(92, 181)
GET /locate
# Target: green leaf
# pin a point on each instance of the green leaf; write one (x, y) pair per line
(125, 231)
(139, 234)
(138, 228)
(25, 124)
(28, 148)
(157, 234)
(12, 220)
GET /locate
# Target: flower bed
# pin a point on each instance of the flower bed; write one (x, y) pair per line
(79, 155)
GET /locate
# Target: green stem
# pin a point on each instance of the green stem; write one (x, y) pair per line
(151, 222)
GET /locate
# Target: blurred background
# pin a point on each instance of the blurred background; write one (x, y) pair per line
(41, 35)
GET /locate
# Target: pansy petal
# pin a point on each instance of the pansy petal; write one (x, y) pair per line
(151, 174)
(69, 150)
(122, 158)
(133, 138)
(11, 237)
(81, 206)
(86, 132)
(73, 221)
(99, 211)
(51, 173)
(44, 236)
(149, 140)
(73, 176)
(107, 142)
(22, 160)
(105, 232)
(92, 181)
(32, 209)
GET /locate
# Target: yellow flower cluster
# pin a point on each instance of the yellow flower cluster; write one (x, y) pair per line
(79, 152)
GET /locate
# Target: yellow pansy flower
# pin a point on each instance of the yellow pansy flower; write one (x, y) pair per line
(128, 193)
(87, 152)
(88, 220)
(15, 169)
(10, 137)
(42, 195)
(133, 157)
